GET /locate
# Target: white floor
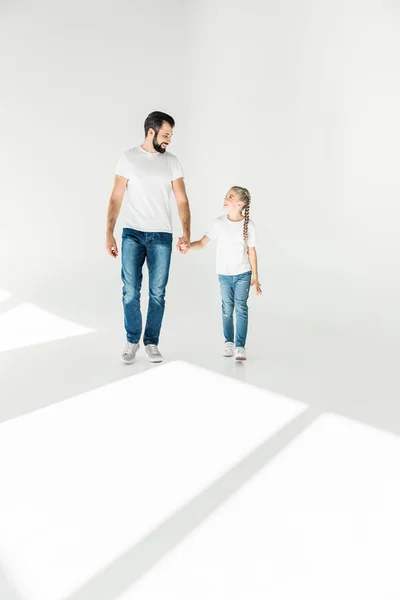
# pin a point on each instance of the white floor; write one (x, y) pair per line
(320, 521)
(201, 477)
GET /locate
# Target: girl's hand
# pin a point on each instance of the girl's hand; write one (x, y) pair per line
(184, 248)
(183, 245)
(257, 286)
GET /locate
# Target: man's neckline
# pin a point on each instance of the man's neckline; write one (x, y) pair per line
(147, 152)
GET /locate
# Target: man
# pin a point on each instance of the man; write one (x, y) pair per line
(147, 175)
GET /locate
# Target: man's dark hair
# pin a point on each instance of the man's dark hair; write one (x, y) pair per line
(155, 121)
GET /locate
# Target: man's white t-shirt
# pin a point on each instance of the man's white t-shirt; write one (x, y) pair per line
(232, 252)
(150, 176)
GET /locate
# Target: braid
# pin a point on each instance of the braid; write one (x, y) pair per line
(246, 223)
(245, 197)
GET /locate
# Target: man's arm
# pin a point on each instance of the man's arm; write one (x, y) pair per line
(178, 186)
(114, 207)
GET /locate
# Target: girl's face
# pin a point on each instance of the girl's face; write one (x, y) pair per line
(232, 202)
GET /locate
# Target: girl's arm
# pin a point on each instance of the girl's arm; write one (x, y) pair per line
(199, 244)
(254, 269)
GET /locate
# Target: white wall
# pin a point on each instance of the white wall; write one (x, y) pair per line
(298, 101)
(77, 81)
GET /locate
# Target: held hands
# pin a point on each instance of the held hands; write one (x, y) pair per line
(111, 246)
(183, 245)
(257, 286)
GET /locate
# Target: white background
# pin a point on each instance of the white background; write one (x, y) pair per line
(296, 101)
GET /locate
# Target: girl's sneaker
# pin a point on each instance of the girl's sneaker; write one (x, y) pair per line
(240, 353)
(229, 349)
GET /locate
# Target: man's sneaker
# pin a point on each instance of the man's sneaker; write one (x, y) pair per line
(240, 353)
(229, 349)
(128, 355)
(153, 353)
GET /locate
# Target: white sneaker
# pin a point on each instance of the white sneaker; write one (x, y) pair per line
(240, 353)
(229, 349)
(128, 355)
(153, 353)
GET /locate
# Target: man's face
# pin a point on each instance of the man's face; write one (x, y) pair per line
(162, 139)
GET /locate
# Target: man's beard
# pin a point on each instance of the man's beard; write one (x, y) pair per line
(158, 146)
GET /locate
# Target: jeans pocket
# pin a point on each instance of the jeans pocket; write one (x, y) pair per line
(242, 288)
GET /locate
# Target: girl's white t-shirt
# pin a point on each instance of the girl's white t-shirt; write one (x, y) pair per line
(232, 252)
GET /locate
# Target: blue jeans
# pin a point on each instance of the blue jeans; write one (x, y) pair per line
(235, 292)
(156, 249)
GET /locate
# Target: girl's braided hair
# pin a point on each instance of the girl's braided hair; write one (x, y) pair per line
(244, 196)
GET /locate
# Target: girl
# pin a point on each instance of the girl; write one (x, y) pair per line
(236, 266)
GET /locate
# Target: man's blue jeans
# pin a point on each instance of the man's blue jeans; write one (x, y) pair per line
(235, 292)
(156, 249)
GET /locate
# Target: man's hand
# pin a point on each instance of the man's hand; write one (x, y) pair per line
(178, 186)
(257, 286)
(114, 207)
(111, 246)
(183, 245)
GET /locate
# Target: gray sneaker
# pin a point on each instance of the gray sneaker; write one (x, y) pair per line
(128, 355)
(153, 353)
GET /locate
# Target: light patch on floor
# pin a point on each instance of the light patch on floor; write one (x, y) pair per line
(27, 324)
(321, 520)
(85, 479)
(4, 296)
